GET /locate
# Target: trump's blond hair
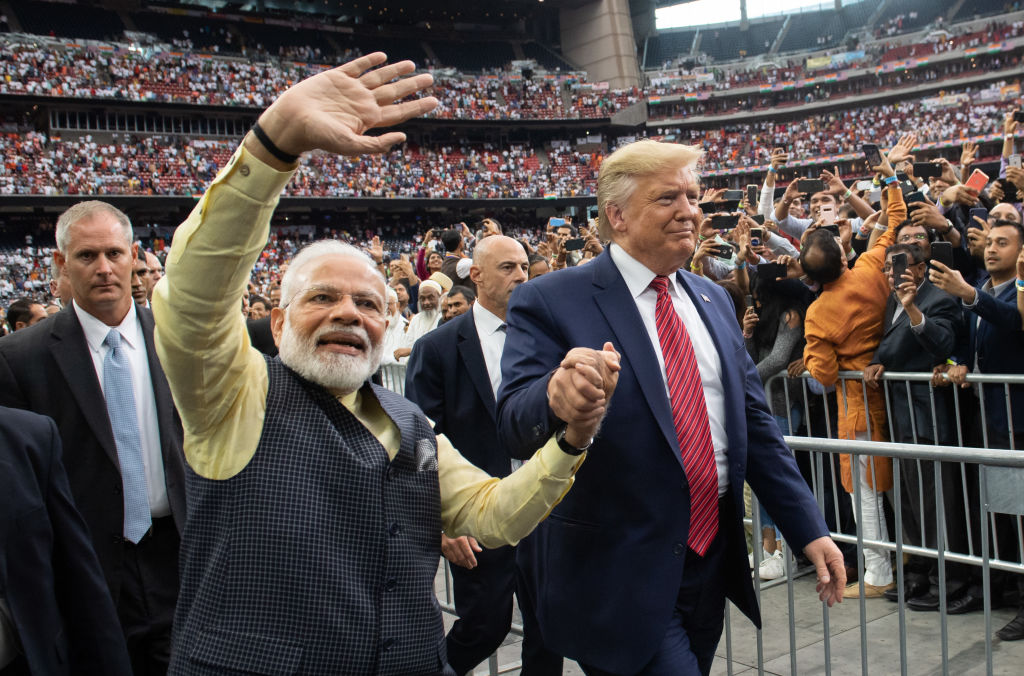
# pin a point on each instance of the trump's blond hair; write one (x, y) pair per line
(616, 179)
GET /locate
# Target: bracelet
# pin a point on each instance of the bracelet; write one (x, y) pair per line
(265, 141)
(848, 194)
(1020, 285)
(742, 264)
(694, 267)
(889, 180)
(772, 169)
(949, 226)
(880, 227)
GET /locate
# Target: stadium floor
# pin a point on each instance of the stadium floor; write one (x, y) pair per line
(965, 639)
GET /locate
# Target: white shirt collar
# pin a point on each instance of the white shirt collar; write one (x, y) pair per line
(638, 277)
(96, 331)
(487, 323)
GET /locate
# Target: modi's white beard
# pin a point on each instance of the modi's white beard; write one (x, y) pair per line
(339, 373)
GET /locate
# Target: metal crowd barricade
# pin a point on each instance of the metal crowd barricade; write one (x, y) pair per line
(986, 481)
(393, 377)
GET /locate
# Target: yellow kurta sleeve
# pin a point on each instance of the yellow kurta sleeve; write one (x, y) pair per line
(219, 381)
(495, 511)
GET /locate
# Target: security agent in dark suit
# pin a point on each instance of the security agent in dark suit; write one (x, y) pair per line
(630, 572)
(93, 368)
(61, 618)
(921, 327)
(453, 375)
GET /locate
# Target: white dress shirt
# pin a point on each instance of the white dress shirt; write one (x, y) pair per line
(490, 329)
(638, 280)
(492, 342)
(145, 401)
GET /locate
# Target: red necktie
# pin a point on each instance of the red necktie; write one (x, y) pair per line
(690, 416)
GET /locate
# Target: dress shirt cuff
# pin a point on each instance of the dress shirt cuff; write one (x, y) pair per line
(558, 463)
(919, 328)
(251, 177)
(973, 303)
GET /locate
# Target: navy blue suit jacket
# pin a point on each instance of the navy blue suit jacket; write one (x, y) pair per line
(998, 342)
(447, 379)
(604, 569)
(49, 573)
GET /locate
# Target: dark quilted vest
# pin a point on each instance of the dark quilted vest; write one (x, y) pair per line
(319, 557)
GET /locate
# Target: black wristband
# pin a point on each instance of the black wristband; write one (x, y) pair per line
(265, 141)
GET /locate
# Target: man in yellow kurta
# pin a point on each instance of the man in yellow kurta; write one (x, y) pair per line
(315, 499)
(843, 328)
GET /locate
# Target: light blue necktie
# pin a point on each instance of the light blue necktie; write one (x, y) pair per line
(120, 396)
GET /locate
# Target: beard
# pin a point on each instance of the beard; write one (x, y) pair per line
(339, 373)
(430, 316)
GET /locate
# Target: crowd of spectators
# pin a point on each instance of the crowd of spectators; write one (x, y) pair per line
(41, 68)
(159, 165)
(875, 54)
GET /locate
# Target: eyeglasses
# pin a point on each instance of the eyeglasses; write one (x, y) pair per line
(887, 268)
(921, 237)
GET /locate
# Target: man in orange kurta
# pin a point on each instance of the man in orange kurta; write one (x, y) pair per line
(843, 328)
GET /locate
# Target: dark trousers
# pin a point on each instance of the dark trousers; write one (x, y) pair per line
(483, 602)
(148, 595)
(919, 512)
(693, 633)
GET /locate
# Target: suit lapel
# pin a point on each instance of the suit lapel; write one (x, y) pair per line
(619, 309)
(890, 312)
(71, 352)
(473, 356)
(161, 390)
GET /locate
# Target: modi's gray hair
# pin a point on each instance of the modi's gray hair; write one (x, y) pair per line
(316, 250)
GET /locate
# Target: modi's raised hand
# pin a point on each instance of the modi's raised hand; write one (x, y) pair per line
(334, 109)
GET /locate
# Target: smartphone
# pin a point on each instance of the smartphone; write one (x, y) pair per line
(1018, 116)
(718, 207)
(810, 186)
(771, 271)
(752, 190)
(574, 244)
(926, 170)
(725, 221)
(872, 154)
(982, 215)
(977, 181)
(827, 214)
(899, 266)
(867, 186)
(758, 218)
(1010, 193)
(943, 253)
(749, 300)
(1013, 161)
(556, 222)
(916, 196)
(756, 236)
(733, 195)
(834, 229)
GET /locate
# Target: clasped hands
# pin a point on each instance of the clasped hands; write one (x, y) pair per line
(580, 389)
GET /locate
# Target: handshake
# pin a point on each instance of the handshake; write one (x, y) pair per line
(579, 391)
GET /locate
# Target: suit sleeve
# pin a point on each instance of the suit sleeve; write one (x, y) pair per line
(772, 471)
(1000, 313)
(424, 384)
(10, 392)
(94, 632)
(534, 347)
(938, 337)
